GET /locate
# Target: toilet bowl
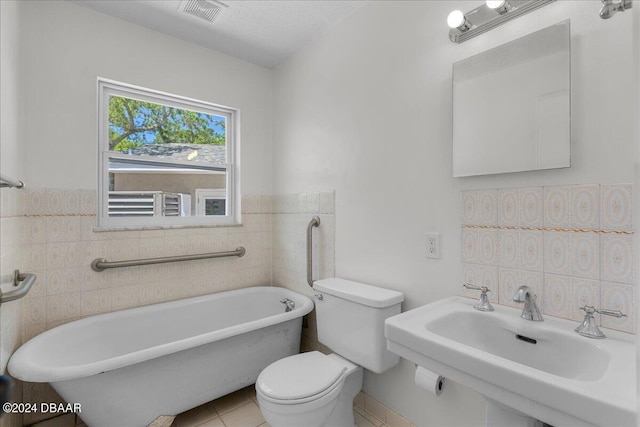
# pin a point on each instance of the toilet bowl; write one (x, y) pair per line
(317, 390)
(310, 390)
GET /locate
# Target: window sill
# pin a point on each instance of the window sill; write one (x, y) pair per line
(164, 227)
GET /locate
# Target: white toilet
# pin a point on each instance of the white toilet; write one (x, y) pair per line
(316, 390)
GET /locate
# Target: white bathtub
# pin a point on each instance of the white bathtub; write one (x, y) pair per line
(128, 367)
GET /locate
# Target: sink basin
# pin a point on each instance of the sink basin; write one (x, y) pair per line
(542, 369)
(541, 348)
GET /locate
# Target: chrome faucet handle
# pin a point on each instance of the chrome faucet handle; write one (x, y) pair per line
(290, 305)
(483, 303)
(589, 328)
(607, 312)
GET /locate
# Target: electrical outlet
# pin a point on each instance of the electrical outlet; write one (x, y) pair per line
(432, 245)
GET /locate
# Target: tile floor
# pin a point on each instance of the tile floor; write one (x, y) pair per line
(238, 409)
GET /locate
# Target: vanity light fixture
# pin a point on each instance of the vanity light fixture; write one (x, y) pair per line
(489, 15)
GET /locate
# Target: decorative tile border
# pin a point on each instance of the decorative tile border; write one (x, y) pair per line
(571, 244)
(558, 229)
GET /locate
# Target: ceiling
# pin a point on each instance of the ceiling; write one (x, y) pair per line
(264, 32)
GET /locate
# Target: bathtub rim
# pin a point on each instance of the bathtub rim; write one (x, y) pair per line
(22, 366)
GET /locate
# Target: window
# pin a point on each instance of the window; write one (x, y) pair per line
(164, 159)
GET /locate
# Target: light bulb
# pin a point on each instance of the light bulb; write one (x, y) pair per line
(456, 19)
(495, 4)
(500, 6)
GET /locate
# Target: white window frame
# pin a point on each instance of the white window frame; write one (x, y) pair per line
(107, 88)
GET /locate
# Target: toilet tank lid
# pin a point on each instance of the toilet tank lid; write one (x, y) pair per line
(360, 293)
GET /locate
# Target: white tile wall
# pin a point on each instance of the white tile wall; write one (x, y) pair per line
(585, 202)
(508, 208)
(615, 207)
(59, 229)
(557, 203)
(531, 207)
(571, 244)
(11, 249)
(291, 215)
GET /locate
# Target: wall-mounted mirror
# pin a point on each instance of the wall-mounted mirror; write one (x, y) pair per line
(512, 106)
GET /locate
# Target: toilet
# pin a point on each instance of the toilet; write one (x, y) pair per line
(317, 390)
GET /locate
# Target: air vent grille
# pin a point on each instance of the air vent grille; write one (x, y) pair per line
(203, 9)
(148, 203)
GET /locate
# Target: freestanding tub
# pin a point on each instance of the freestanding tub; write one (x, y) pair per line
(128, 367)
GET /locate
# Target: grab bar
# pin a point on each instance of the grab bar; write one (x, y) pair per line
(315, 222)
(27, 280)
(101, 264)
(5, 181)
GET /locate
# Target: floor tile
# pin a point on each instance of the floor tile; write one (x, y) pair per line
(248, 415)
(231, 401)
(368, 416)
(375, 408)
(67, 420)
(162, 421)
(195, 416)
(216, 422)
(362, 421)
(251, 392)
(79, 422)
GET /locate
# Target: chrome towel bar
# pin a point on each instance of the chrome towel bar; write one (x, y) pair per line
(5, 181)
(27, 280)
(101, 264)
(315, 222)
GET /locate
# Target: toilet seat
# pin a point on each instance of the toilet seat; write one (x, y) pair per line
(301, 378)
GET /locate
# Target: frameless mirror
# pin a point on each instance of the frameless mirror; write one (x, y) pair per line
(512, 106)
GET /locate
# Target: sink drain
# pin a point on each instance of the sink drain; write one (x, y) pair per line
(526, 339)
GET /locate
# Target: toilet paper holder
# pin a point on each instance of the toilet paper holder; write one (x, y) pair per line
(428, 381)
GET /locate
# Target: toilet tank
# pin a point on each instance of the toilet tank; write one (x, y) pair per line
(350, 317)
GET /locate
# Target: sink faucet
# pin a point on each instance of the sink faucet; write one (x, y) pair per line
(530, 311)
(589, 328)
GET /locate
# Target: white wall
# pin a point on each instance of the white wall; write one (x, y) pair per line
(12, 154)
(636, 157)
(11, 151)
(11, 164)
(68, 46)
(366, 110)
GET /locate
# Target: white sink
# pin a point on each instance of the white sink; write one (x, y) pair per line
(542, 369)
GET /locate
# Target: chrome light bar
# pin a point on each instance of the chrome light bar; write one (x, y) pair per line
(483, 18)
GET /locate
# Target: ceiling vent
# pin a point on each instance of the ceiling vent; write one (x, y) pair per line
(203, 9)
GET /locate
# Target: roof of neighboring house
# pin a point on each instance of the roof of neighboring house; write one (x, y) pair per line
(209, 153)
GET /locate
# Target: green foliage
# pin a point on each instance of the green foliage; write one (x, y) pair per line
(125, 145)
(133, 123)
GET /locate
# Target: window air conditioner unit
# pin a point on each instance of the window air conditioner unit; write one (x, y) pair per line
(148, 204)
